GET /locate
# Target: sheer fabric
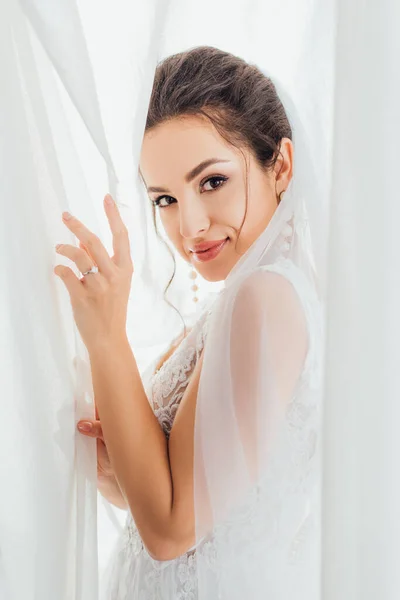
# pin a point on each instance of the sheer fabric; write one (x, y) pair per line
(258, 477)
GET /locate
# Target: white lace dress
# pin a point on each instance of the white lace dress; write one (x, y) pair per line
(132, 574)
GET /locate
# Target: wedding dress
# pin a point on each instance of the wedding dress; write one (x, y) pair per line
(132, 574)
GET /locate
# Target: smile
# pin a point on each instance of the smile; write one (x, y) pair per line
(211, 253)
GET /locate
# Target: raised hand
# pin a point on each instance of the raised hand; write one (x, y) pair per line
(99, 299)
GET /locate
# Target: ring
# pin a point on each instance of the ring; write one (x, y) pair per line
(94, 269)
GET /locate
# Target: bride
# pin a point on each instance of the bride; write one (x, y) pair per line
(213, 452)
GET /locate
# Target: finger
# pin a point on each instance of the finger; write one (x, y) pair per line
(93, 243)
(88, 253)
(72, 283)
(95, 430)
(121, 246)
(77, 255)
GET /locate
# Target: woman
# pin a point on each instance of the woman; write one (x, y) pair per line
(237, 399)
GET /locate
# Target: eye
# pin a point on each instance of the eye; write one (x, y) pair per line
(157, 201)
(219, 179)
(212, 180)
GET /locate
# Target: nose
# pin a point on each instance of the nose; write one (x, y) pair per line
(193, 218)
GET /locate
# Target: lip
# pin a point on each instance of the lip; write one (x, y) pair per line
(206, 245)
(210, 251)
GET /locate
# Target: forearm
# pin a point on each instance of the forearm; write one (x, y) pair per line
(110, 490)
(136, 443)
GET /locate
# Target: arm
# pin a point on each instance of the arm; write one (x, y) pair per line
(108, 485)
(181, 455)
(136, 443)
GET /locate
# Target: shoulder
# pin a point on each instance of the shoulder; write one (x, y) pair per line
(267, 330)
(263, 280)
(267, 311)
(278, 304)
(272, 291)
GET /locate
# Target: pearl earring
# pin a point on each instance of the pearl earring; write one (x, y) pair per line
(194, 287)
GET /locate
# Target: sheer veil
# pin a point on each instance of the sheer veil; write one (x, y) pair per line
(258, 413)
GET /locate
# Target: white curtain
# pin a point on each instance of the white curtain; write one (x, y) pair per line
(75, 82)
(361, 493)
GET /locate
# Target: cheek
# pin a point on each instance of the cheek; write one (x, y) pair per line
(261, 208)
(170, 222)
(230, 207)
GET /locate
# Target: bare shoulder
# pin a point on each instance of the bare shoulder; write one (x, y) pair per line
(267, 289)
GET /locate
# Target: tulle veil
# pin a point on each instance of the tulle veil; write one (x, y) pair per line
(258, 415)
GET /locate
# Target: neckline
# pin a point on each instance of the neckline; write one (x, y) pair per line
(200, 322)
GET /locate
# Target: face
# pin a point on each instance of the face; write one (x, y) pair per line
(198, 183)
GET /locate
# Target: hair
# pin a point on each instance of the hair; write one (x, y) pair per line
(236, 96)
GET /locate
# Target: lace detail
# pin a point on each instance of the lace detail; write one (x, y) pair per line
(132, 536)
(168, 384)
(187, 581)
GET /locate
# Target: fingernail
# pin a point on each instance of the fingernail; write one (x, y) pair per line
(109, 199)
(66, 216)
(85, 426)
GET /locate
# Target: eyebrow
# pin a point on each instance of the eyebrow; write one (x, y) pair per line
(193, 173)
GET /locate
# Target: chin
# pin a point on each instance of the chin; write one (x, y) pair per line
(218, 268)
(213, 275)
(215, 272)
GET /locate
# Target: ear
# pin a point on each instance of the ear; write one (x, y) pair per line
(284, 164)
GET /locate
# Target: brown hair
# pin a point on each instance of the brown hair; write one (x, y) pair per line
(239, 100)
